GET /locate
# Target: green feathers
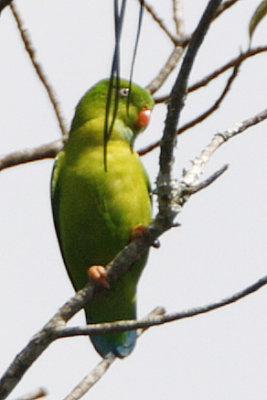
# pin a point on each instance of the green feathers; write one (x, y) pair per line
(96, 209)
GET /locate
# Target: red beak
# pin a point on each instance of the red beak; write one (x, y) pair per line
(143, 117)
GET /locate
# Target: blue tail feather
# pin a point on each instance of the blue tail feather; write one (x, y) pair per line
(105, 347)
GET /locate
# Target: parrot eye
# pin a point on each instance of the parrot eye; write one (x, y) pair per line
(124, 92)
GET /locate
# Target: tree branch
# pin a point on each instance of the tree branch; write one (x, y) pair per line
(204, 81)
(93, 377)
(19, 157)
(235, 61)
(177, 7)
(159, 22)
(35, 394)
(176, 102)
(200, 117)
(153, 320)
(225, 6)
(166, 70)
(38, 69)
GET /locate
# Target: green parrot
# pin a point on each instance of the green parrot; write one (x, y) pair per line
(101, 201)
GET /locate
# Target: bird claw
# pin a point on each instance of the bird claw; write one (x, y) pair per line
(98, 274)
(140, 231)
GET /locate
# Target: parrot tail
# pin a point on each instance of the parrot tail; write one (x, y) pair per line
(116, 304)
(119, 344)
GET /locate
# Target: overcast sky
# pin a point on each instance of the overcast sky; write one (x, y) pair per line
(219, 249)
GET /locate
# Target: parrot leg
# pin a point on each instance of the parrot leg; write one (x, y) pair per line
(140, 231)
(98, 273)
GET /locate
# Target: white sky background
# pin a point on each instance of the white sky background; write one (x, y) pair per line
(220, 248)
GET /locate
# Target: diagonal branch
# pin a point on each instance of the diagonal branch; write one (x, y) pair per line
(93, 377)
(230, 64)
(166, 70)
(235, 61)
(200, 117)
(159, 22)
(38, 69)
(225, 6)
(155, 320)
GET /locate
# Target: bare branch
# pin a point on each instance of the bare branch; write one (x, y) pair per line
(166, 70)
(35, 394)
(177, 6)
(37, 67)
(200, 117)
(216, 104)
(204, 81)
(235, 61)
(202, 185)
(155, 320)
(93, 377)
(19, 157)
(191, 177)
(176, 102)
(225, 6)
(159, 21)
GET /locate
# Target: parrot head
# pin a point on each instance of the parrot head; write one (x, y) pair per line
(132, 110)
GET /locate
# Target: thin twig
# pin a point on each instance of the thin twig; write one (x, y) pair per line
(191, 177)
(200, 117)
(159, 22)
(207, 79)
(225, 6)
(206, 182)
(37, 67)
(176, 104)
(166, 70)
(177, 7)
(235, 61)
(93, 377)
(148, 322)
(216, 104)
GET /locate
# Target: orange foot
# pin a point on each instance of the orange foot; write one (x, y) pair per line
(141, 231)
(98, 274)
